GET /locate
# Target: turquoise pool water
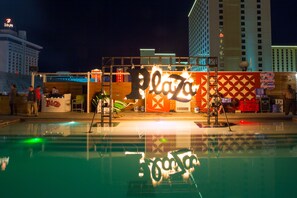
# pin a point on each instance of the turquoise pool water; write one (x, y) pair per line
(61, 159)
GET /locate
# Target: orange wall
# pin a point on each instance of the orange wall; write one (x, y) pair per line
(239, 85)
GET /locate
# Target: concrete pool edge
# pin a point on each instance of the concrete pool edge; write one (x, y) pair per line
(130, 116)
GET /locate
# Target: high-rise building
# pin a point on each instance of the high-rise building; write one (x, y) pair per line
(284, 58)
(235, 31)
(17, 55)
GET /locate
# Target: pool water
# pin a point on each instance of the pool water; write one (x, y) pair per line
(141, 159)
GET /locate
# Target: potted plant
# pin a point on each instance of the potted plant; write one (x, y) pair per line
(100, 97)
(104, 99)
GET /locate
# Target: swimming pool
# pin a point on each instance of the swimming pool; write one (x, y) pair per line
(148, 159)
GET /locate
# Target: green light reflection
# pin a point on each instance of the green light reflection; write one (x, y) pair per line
(34, 140)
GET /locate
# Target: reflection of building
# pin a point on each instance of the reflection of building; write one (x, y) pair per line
(232, 30)
(17, 55)
(284, 58)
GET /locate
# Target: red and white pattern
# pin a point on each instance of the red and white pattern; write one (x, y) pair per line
(239, 86)
(159, 145)
(157, 103)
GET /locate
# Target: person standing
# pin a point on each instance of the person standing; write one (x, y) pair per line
(32, 102)
(55, 92)
(38, 97)
(290, 100)
(12, 99)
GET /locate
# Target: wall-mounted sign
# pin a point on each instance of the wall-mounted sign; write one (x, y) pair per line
(267, 80)
(175, 87)
(8, 23)
(119, 75)
(53, 103)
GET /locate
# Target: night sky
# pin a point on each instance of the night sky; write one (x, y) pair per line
(76, 34)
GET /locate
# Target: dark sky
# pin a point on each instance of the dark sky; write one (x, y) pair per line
(76, 34)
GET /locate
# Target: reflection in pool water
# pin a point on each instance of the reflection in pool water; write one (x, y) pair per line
(4, 162)
(62, 160)
(179, 163)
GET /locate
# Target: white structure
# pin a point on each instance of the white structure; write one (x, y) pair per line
(232, 30)
(284, 58)
(17, 55)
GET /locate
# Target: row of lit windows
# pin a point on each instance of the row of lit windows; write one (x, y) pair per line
(16, 53)
(221, 23)
(259, 35)
(20, 49)
(286, 65)
(284, 59)
(259, 23)
(15, 64)
(285, 51)
(285, 56)
(15, 48)
(199, 32)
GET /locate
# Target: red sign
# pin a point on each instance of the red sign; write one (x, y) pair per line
(96, 74)
(119, 75)
(52, 103)
(8, 23)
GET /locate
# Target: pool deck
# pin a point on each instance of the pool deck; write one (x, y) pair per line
(130, 116)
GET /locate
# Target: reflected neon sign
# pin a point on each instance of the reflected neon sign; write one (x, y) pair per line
(175, 87)
(177, 163)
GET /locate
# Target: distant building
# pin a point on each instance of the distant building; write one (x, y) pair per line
(17, 55)
(232, 30)
(167, 58)
(284, 58)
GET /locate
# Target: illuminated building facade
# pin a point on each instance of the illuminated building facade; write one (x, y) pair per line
(284, 58)
(17, 55)
(170, 60)
(232, 30)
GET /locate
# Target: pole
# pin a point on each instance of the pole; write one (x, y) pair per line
(88, 92)
(32, 78)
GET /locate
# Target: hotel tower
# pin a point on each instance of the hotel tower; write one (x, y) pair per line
(238, 32)
(17, 54)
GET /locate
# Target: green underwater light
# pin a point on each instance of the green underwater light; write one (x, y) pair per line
(34, 140)
(163, 140)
